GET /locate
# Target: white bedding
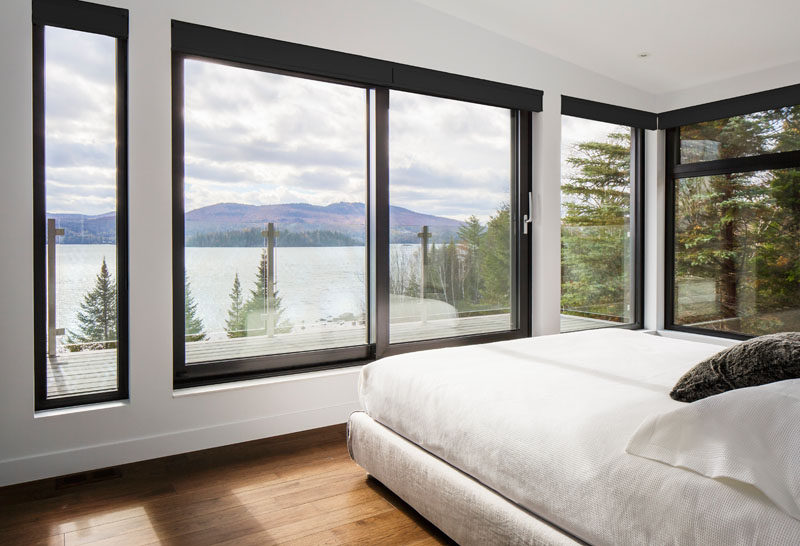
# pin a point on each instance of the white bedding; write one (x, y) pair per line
(545, 422)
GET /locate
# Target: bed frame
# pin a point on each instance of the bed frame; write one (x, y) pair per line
(463, 508)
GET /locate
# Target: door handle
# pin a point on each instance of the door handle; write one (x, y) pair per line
(528, 218)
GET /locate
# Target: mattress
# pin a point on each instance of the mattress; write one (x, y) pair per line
(545, 421)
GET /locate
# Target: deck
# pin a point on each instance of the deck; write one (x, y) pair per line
(85, 372)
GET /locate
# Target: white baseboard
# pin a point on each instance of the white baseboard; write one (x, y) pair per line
(60, 463)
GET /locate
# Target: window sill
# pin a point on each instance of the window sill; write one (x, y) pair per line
(99, 406)
(688, 336)
(249, 383)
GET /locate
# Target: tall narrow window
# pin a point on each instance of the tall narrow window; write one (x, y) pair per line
(80, 201)
(734, 242)
(597, 258)
(452, 195)
(274, 216)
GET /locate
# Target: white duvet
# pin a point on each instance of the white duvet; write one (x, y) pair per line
(545, 422)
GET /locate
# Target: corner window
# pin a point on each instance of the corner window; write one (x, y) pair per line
(735, 225)
(80, 206)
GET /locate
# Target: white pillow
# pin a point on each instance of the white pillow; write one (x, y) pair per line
(751, 435)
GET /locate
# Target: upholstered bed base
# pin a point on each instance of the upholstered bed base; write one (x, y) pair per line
(464, 509)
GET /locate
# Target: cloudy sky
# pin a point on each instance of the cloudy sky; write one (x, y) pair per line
(260, 138)
(80, 120)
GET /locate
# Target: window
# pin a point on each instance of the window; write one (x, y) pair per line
(733, 249)
(739, 136)
(300, 197)
(80, 243)
(601, 222)
(452, 185)
(274, 201)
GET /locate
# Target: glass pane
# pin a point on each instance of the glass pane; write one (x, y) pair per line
(274, 195)
(80, 204)
(737, 252)
(740, 136)
(595, 224)
(451, 257)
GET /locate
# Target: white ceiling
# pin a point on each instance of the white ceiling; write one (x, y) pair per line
(691, 42)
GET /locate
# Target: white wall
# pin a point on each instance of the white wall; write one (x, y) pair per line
(156, 421)
(754, 82)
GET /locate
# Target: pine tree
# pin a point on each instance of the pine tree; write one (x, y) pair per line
(193, 325)
(97, 319)
(713, 213)
(471, 235)
(257, 305)
(496, 265)
(236, 324)
(594, 243)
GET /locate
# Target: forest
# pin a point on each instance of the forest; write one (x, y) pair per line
(471, 271)
(253, 237)
(737, 235)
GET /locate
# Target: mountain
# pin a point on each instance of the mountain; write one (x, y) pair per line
(302, 217)
(347, 219)
(87, 229)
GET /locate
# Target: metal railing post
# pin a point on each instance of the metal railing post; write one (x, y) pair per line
(424, 235)
(270, 235)
(52, 331)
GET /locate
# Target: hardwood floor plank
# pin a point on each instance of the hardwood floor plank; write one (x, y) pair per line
(300, 488)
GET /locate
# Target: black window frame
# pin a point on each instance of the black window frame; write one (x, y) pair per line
(672, 121)
(638, 121)
(379, 78)
(113, 22)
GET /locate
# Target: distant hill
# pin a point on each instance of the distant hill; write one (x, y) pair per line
(83, 229)
(302, 217)
(333, 225)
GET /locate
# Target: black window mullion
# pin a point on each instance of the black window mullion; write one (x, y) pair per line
(637, 226)
(524, 183)
(123, 334)
(379, 217)
(39, 217)
(178, 235)
(778, 160)
(673, 144)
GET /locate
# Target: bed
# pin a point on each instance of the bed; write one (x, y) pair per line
(523, 442)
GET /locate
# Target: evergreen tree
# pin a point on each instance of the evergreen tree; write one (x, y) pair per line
(713, 213)
(496, 263)
(594, 243)
(97, 319)
(471, 235)
(193, 325)
(236, 324)
(257, 305)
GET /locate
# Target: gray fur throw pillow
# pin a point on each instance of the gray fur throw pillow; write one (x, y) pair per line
(757, 361)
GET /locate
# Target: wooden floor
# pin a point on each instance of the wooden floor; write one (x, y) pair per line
(296, 489)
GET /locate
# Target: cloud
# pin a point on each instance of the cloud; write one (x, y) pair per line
(80, 121)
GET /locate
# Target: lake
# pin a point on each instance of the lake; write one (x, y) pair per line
(315, 283)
